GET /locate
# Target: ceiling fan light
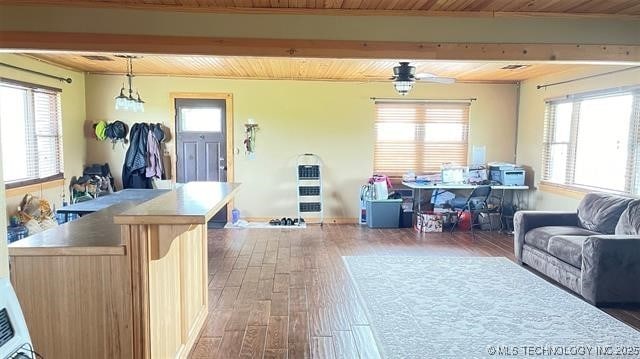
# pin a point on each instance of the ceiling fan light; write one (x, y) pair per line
(403, 87)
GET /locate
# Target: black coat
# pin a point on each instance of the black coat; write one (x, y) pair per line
(135, 162)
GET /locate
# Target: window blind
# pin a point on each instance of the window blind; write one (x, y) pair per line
(420, 136)
(31, 133)
(591, 140)
(633, 172)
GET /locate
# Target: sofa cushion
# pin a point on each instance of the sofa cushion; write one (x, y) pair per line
(629, 223)
(539, 237)
(567, 249)
(600, 212)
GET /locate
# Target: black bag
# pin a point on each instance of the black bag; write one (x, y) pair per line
(117, 131)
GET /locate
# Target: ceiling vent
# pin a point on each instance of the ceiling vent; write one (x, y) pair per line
(97, 58)
(514, 67)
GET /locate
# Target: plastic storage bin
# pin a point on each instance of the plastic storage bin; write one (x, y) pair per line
(383, 213)
(15, 233)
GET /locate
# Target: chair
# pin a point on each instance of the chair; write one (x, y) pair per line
(475, 204)
(78, 192)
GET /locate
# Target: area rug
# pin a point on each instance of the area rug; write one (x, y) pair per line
(427, 307)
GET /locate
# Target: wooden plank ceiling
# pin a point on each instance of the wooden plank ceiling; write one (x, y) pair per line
(426, 7)
(235, 67)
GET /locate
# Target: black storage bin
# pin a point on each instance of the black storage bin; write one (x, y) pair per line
(406, 219)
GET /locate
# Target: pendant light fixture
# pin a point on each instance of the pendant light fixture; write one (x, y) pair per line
(129, 103)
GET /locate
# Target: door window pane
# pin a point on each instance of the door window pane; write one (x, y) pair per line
(201, 119)
(603, 134)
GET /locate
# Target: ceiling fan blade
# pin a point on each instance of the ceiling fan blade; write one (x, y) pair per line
(440, 80)
(423, 75)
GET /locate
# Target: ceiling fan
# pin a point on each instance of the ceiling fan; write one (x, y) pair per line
(404, 76)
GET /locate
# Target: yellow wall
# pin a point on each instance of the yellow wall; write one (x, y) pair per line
(331, 119)
(531, 122)
(73, 118)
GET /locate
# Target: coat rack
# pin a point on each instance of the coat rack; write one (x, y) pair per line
(250, 137)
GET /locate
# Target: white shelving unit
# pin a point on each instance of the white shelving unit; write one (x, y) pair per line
(309, 185)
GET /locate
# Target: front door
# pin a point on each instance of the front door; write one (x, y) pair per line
(201, 143)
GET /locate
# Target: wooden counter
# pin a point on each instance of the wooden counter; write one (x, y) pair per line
(129, 281)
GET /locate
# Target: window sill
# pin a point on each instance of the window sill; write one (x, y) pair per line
(577, 192)
(34, 187)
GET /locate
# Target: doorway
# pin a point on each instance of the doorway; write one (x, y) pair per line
(201, 143)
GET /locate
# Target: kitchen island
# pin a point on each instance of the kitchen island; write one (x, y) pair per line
(129, 281)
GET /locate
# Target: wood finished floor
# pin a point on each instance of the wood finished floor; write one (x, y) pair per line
(285, 293)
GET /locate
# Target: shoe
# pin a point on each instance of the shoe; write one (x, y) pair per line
(289, 222)
(274, 222)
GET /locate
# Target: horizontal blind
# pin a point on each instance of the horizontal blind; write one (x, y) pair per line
(41, 133)
(420, 136)
(549, 122)
(46, 113)
(633, 169)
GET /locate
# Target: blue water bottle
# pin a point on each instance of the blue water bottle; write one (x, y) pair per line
(235, 215)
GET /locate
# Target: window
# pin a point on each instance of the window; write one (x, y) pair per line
(420, 136)
(204, 119)
(591, 141)
(31, 133)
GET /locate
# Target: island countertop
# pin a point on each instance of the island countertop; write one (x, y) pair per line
(93, 234)
(192, 203)
(99, 233)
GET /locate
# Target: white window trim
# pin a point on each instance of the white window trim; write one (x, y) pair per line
(632, 185)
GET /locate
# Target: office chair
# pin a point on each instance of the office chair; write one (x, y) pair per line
(475, 204)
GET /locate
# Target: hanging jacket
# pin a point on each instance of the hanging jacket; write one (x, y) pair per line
(135, 161)
(154, 160)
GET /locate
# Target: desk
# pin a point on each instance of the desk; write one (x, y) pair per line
(418, 186)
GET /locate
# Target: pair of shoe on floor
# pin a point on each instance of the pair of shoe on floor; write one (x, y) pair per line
(285, 222)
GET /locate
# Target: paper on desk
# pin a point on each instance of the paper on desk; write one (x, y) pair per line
(478, 155)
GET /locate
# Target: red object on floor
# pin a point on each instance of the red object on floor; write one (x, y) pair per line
(465, 221)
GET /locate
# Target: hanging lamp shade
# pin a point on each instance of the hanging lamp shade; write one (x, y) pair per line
(121, 100)
(403, 87)
(403, 78)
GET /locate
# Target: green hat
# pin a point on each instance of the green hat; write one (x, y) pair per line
(101, 128)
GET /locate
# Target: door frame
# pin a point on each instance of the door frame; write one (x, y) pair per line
(228, 101)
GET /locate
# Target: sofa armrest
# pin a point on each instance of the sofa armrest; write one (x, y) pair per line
(611, 269)
(524, 221)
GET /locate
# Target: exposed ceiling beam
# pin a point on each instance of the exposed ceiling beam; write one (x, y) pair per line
(186, 45)
(189, 7)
